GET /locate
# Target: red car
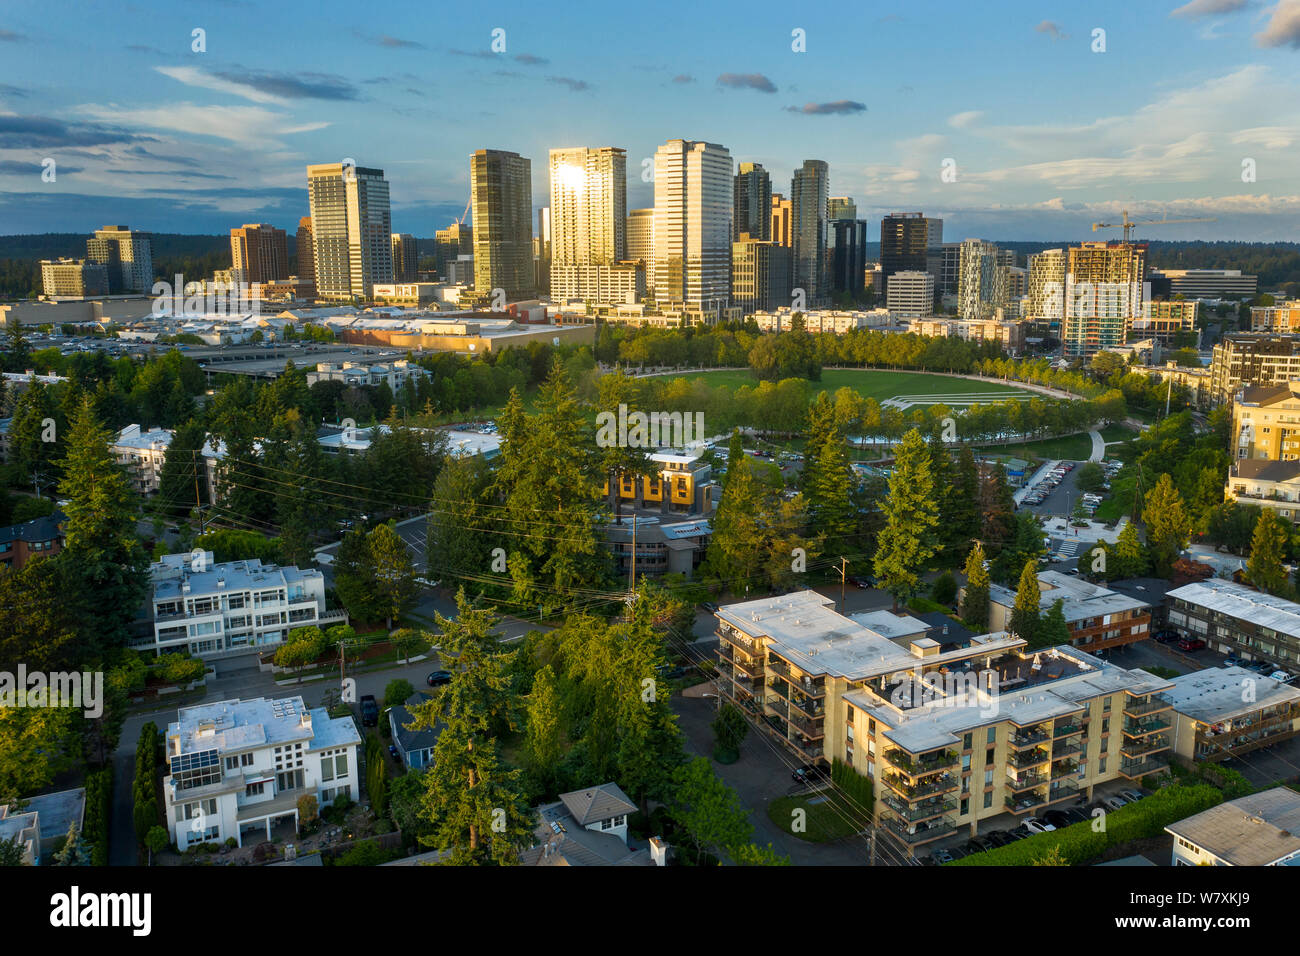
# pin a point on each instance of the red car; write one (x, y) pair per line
(1190, 644)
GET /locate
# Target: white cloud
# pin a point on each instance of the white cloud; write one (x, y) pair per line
(1208, 8)
(1283, 27)
(248, 125)
(193, 76)
(966, 119)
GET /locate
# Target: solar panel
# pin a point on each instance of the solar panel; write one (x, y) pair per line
(194, 761)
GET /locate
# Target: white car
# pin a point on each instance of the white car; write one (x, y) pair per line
(1035, 825)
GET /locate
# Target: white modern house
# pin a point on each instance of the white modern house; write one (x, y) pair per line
(213, 609)
(237, 768)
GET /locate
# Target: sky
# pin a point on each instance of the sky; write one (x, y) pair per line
(1011, 121)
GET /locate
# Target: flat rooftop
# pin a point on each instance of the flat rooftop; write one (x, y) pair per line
(1080, 599)
(244, 724)
(1250, 831)
(1238, 601)
(247, 574)
(804, 628)
(1215, 694)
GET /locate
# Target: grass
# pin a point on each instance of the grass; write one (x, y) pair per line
(1068, 448)
(869, 383)
(1117, 433)
(829, 819)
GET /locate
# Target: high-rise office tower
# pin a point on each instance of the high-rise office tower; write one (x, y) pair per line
(305, 253)
(641, 241)
(982, 281)
(693, 196)
(944, 263)
(502, 189)
(75, 278)
(542, 250)
(841, 207)
(406, 257)
(753, 203)
(588, 219)
(1046, 290)
(451, 243)
(127, 257)
(904, 240)
(782, 220)
(1103, 293)
(846, 254)
(760, 274)
(260, 252)
(808, 192)
(352, 245)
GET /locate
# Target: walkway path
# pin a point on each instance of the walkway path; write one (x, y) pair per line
(1098, 446)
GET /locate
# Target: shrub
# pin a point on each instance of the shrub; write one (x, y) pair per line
(95, 829)
(944, 589)
(856, 788)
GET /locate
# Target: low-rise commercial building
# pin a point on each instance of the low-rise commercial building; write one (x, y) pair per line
(239, 767)
(1206, 283)
(910, 294)
(397, 374)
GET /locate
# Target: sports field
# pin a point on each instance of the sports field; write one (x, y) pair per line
(902, 389)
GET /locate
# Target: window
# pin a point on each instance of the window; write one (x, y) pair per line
(988, 799)
(255, 789)
(988, 755)
(245, 760)
(327, 769)
(966, 742)
(232, 763)
(993, 734)
(965, 807)
(988, 777)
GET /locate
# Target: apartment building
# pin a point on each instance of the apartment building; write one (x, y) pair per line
(952, 730)
(127, 256)
(1171, 324)
(760, 274)
(1008, 334)
(142, 453)
(1235, 619)
(1268, 484)
(618, 283)
(305, 254)
(825, 320)
(910, 294)
(1104, 290)
(213, 609)
(641, 241)
(351, 221)
(589, 226)
(73, 278)
(260, 252)
(1224, 712)
(1246, 358)
(1256, 830)
(809, 187)
(237, 768)
(1266, 422)
(37, 538)
(782, 228)
(1282, 318)
(1046, 286)
(397, 375)
(752, 202)
(983, 279)
(692, 228)
(1098, 618)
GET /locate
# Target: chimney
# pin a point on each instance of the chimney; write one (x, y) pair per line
(658, 851)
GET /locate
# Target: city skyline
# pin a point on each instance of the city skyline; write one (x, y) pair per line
(184, 141)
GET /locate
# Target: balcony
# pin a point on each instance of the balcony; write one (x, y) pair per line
(808, 748)
(1137, 708)
(1151, 725)
(1066, 768)
(1021, 803)
(813, 708)
(915, 812)
(920, 766)
(1026, 781)
(1133, 769)
(916, 835)
(1066, 749)
(1144, 745)
(1068, 729)
(1024, 759)
(812, 729)
(927, 788)
(1028, 738)
(751, 668)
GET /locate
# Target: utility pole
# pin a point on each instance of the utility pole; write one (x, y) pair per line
(844, 563)
(634, 554)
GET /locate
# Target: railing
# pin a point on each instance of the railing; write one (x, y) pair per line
(1066, 768)
(810, 728)
(1144, 745)
(926, 788)
(919, 811)
(923, 834)
(1140, 768)
(1139, 728)
(1022, 802)
(807, 749)
(1138, 708)
(812, 708)
(1028, 758)
(1066, 730)
(1028, 738)
(916, 766)
(754, 668)
(1026, 781)
(1066, 749)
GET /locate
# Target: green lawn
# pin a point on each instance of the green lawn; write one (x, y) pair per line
(829, 818)
(1117, 433)
(1068, 448)
(870, 383)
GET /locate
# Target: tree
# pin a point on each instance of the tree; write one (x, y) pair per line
(407, 640)
(394, 572)
(183, 481)
(73, 852)
(1168, 528)
(707, 809)
(36, 743)
(308, 810)
(157, 840)
(965, 499)
(975, 600)
(12, 853)
(1054, 629)
(397, 692)
(458, 526)
(750, 854)
(729, 729)
(828, 496)
(544, 736)
(1264, 568)
(354, 576)
(908, 539)
(1025, 613)
(101, 540)
(1131, 559)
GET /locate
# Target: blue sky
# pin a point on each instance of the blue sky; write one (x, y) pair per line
(1046, 134)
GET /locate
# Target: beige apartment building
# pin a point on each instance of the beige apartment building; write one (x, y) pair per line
(1283, 317)
(1246, 358)
(1266, 422)
(73, 278)
(1223, 712)
(952, 731)
(260, 252)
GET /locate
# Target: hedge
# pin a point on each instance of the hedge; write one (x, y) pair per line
(147, 811)
(1079, 844)
(99, 800)
(855, 787)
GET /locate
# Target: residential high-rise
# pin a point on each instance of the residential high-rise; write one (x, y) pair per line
(692, 231)
(841, 207)
(75, 278)
(808, 191)
(127, 255)
(944, 263)
(982, 281)
(1046, 286)
(502, 189)
(846, 254)
(782, 220)
(260, 252)
(406, 257)
(588, 218)
(1103, 293)
(352, 245)
(1247, 358)
(641, 241)
(760, 274)
(306, 253)
(753, 203)
(904, 241)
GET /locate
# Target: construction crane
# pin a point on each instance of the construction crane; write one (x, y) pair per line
(1128, 225)
(461, 220)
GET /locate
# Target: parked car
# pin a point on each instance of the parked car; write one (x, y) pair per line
(1114, 803)
(1190, 644)
(394, 753)
(808, 774)
(942, 856)
(369, 711)
(1020, 832)
(958, 852)
(999, 838)
(863, 582)
(1132, 796)
(1166, 636)
(1057, 818)
(710, 607)
(1035, 825)
(438, 678)
(979, 844)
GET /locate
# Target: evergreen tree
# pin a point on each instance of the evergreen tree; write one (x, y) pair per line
(544, 739)
(17, 352)
(100, 532)
(943, 474)
(1130, 555)
(975, 600)
(908, 540)
(965, 497)
(1264, 568)
(1167, 524)
(1025, 620)
(828, 498)
(999, 506)
(354, 576)
(394, 572)
(458, 523)
(35, 435)
(183, 481)
(819, 432)
(74, 851)
(1053, 630)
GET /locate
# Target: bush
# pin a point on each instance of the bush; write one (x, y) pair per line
(1079, 844)
(944, 589)
(856, 788)
(397, 692)
(95, 829)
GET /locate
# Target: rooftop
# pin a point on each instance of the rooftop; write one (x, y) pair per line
(1081, 599)
(1216, 693)
(234, 725)
(38, 529)
(1239, 601)
(1257, 830)
(174, 572)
